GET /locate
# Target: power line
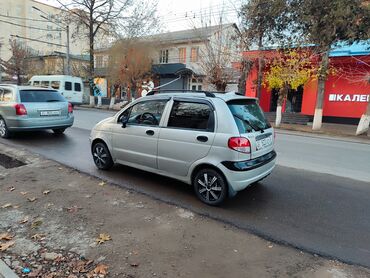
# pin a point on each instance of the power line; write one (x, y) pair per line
(36, 40)
(30, 27)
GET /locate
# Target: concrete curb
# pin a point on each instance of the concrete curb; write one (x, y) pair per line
(6, 272)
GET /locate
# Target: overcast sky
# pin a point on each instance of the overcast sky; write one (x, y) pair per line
(185, 14)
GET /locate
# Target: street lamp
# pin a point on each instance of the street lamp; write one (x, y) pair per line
(65, 28)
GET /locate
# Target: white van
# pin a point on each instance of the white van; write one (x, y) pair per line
(69, 86)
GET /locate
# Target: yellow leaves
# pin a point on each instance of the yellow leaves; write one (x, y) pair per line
(38, 237)
(23, 193)
(24, 220)
(103, 238)
(102, 183)
(6, 236)
(101, 269)
(7, 245)
(46, 192)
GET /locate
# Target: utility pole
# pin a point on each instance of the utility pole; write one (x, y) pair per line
(65, 28)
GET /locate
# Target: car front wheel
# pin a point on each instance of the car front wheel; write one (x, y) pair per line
(101, 155)
(210, 186)
(4, 131)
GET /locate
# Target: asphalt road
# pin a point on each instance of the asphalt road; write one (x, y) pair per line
(311, 210)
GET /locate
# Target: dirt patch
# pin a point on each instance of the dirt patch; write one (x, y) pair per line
(9, 162)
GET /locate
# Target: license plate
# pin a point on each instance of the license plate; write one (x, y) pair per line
(50, 113)
(263, 143)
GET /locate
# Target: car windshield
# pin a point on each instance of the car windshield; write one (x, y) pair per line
(40, 96)
(248, 115)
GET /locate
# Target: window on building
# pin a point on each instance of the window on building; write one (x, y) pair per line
(99, 62)
(77, 87)
(182, 55)
(55, 84)
(194, 87)
(68, 86)
(191, 115)
(163, 56)
(194, 55)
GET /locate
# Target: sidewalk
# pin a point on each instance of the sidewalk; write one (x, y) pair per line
(337, 130)
(59, 222)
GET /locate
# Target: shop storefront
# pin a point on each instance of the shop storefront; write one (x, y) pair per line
(346, 92)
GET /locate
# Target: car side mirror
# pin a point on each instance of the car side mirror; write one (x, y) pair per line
(124, 121)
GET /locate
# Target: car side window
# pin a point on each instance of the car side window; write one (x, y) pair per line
(146, 113)
(1, 94)
(191, 115)
(77, 87)
(68, 86)
(7, 95)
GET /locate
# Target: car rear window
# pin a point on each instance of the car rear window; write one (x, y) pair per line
(248, 115)
(40, 96)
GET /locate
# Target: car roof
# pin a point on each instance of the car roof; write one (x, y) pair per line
(202, 94)
(26, 87)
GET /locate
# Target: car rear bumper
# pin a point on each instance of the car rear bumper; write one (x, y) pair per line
(25, 124)
(243, 173)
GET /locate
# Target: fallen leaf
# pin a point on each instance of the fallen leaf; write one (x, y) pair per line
(16, 207)
(46, 192)
(270, 246)
(8, 205)
(5, 246)
(5, 236)
(11, 189)
(73, 209)
(24, 220)
(102, 183)
(101, 269)
(23, 192)
(36, 224)
(31, 199)
(38, 236)
(103, 238)
(134, 264)
(60, 168)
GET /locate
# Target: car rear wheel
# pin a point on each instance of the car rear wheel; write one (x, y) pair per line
(102, 158)
(59, 131)
(210, 186)
(4, 131)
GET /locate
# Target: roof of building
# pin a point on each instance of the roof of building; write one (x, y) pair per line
(356, 49)
(62, 54)
(195, 34)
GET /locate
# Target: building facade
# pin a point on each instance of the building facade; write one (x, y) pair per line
(347, 90)
(39, 34)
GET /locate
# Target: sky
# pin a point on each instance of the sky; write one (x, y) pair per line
(185, 14)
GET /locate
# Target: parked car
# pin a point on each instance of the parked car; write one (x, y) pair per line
(26, 108)
(218, 143)
(69, 86)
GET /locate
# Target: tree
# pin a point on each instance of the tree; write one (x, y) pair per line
(104, 16)
(264, 21)
(130, 62)
(325, 23)
(289, 69)
(17, 66)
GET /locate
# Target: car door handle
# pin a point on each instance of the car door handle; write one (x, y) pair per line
(202, 138)
(150, 132)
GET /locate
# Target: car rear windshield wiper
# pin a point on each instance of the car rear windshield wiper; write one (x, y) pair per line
(256, 128)
(53, 100)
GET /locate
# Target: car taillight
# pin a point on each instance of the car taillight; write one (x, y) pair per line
(20, 110)
(240, 144)
(70, 107)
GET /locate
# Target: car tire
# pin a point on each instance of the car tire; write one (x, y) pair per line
(4, 131)
(210, 186)
(101, 155)
(59, 131)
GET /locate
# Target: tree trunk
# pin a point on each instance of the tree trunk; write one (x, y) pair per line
(363, 125)
(323, 74)
(246, 67)
(260, 66)
(91, 53)
(283, 92)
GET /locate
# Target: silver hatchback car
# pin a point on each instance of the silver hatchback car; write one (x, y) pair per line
(218, 143)
(25, 108)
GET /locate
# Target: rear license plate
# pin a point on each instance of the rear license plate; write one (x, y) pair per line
(50, 113)
(263, 143)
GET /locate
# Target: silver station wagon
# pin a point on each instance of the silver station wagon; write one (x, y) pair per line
(218, 143)
(25, 108)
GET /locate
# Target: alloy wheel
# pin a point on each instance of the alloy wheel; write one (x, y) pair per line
(3, 128)
(101, 156)
(210, 187)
